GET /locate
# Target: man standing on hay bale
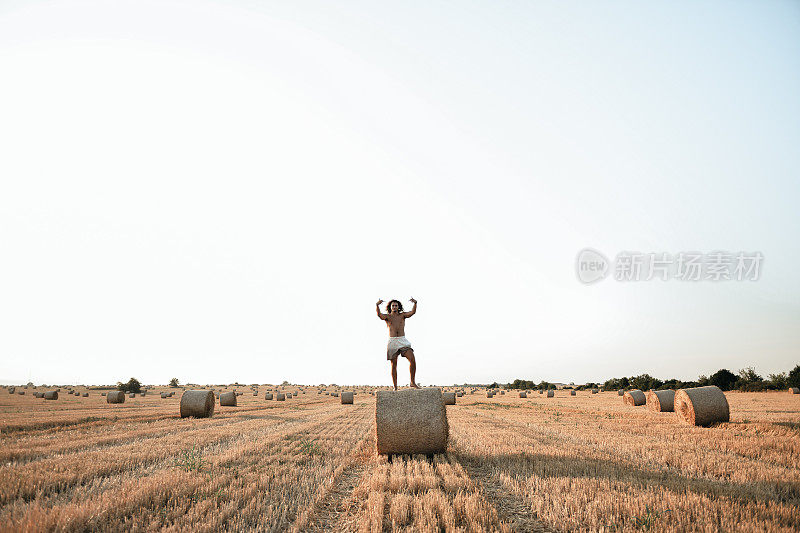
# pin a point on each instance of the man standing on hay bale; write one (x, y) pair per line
(398, 344)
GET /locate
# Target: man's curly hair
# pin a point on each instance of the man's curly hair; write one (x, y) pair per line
(389, 306)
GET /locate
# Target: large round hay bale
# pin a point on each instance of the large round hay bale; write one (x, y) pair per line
(449, 398)
(347, 397)
(197, 403)
(661, 401)
(281, 397)
(116, 396)
(702, 406)
(410, 421)
(38, 394)
(51, 395)
(572, 392)
(268, 396)
(523, 394)
(795, 390)
(634, 397)
(228, 399)
(550, 393)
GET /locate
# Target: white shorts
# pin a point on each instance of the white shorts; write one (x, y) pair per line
(396, 346)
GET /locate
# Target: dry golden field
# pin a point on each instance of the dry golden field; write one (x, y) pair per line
(582, 463)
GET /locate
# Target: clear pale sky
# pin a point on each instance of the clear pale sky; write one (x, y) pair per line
(220, 191)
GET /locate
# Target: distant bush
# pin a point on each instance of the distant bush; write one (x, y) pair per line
(133, 385)
(723, 378)
(794, 377)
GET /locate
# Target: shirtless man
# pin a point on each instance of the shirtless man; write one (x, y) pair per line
(398, 344)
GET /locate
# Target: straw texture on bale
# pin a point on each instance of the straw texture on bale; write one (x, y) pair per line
(410, 421)
(702, 406)
(116, 396)
(268, 396)
(634, 397)
(228, 399)
(197, 403)
(661, 401)
(449, 398)
(572, 393)
(281, 397)
(795, 390)
(347, 397)
(523, 394)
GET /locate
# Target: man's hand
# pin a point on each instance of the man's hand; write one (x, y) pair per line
(413, 309)
(379, 302)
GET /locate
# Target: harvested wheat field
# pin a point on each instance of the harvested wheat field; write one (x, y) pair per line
(569, 463)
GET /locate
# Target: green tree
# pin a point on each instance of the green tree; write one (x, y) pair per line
(749, 380)
(173, 382)
(723, 378)
(133, 385)
(779, 381)
(794, 377)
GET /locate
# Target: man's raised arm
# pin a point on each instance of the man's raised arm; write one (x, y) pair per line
(413, 309)
(378, 309)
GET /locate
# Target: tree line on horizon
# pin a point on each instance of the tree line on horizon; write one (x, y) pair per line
(747, 380)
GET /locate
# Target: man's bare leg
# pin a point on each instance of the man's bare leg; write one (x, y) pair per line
(394, 372)
(409, 354)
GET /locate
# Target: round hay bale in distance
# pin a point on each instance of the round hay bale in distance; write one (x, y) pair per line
(661, 401)
(634, 397)
(281, 397)
(228, 399)
(702, 406)
(268, 396)
(197, 403)
(51, 395)
(523, 394)
(550, 393)
(116, 396)
(410, 421)
(572, 392)
(795, 390)
(449, 398)
(347, 397)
